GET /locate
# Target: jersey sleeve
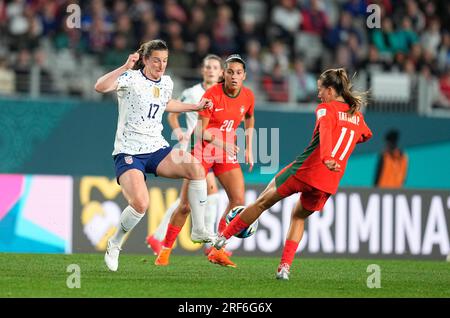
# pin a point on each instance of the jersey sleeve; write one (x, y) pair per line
(366, 132)
(208, 112)
(325, 121)
(123, 82)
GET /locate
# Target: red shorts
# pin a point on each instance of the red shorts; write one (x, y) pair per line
(215, 159)
(312, 199)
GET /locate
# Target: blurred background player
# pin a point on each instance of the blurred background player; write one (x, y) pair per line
(392, 164)
(217, 150)
(317, 171)
(144, 93)
(212, 71)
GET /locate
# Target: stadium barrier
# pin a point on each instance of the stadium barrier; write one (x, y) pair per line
(61, 214)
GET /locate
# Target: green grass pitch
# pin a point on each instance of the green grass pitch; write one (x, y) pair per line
(45, 275)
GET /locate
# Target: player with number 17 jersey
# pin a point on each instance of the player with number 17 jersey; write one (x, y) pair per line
(224, 118)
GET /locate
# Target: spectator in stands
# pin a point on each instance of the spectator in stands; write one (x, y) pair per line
(406, 36)
(197, 25)
(443, 55)
(277, 55)
(224, 32)
(286, 20)
(417, 17)
(431, 37)
(253, 61)
(444, 83)
(340, 34)
(152, 31)
(7, 78)
(202, 49)
(392, 166)
(315, 19)
(179, 59)
(22, 72)
(276, 85)
(119, 53)
(303, 84)
(385, 38)
(435, 98)
(45, 77)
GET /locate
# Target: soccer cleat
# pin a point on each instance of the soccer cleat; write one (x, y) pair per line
(283, 271)
(163, 257)
(220, 257)
(154, 244)
(112, 256)
(204, 237)
(207, 250)
(219, 242)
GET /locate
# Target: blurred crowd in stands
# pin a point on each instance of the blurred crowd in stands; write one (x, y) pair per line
(286, 42)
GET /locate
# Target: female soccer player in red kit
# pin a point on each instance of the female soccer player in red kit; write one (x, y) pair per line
(317, 171)
(217, 150)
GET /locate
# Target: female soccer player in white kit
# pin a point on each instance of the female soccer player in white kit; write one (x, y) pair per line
(212, 70)
(144, 93)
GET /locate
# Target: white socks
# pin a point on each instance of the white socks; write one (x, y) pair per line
(128, 220)
(211, 212)
(197, 195)
(161, 230)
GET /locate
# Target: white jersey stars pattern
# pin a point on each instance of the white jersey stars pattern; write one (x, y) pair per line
(141, 104)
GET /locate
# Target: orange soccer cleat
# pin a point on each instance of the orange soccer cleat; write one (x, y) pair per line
(208, 249)
(163, 257)
(154, 244)
(220, 257)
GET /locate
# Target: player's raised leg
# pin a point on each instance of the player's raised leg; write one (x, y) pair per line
(266, 199)
(135, 192)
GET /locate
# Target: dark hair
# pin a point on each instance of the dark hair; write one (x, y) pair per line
(146, 50)
(338, 79)
(212, 57)
(234, 58)
(392, 136)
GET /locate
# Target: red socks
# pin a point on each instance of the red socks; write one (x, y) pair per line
(222, 225)
(289, 252)
(234, 227)
(171, 235)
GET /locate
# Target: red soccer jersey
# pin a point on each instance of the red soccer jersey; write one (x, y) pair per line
(335, 135)
(227, 112)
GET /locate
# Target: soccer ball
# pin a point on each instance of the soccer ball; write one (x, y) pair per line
(247, 232)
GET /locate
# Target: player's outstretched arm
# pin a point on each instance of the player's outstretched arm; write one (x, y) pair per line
(108, 82)
(175, 106)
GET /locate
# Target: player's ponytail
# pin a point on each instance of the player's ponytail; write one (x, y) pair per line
(338, 79)
(146, 49)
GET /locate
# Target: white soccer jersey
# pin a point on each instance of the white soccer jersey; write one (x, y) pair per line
(192, 95)
(141, 105)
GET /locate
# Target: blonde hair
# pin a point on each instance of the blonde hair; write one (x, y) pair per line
(146, 50)
(338, 79)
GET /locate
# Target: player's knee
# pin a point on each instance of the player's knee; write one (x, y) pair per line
(196, 172)
(184, 208)
(140, 204)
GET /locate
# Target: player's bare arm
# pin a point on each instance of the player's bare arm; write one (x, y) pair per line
(108, 82)
(249, 123)
(175, 106)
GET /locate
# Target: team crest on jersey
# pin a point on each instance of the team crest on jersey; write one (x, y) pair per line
(128, 160)
(156, 91)
(321, 112)
(242, 109)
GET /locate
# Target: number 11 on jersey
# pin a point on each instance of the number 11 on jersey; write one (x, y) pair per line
(339, 143)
